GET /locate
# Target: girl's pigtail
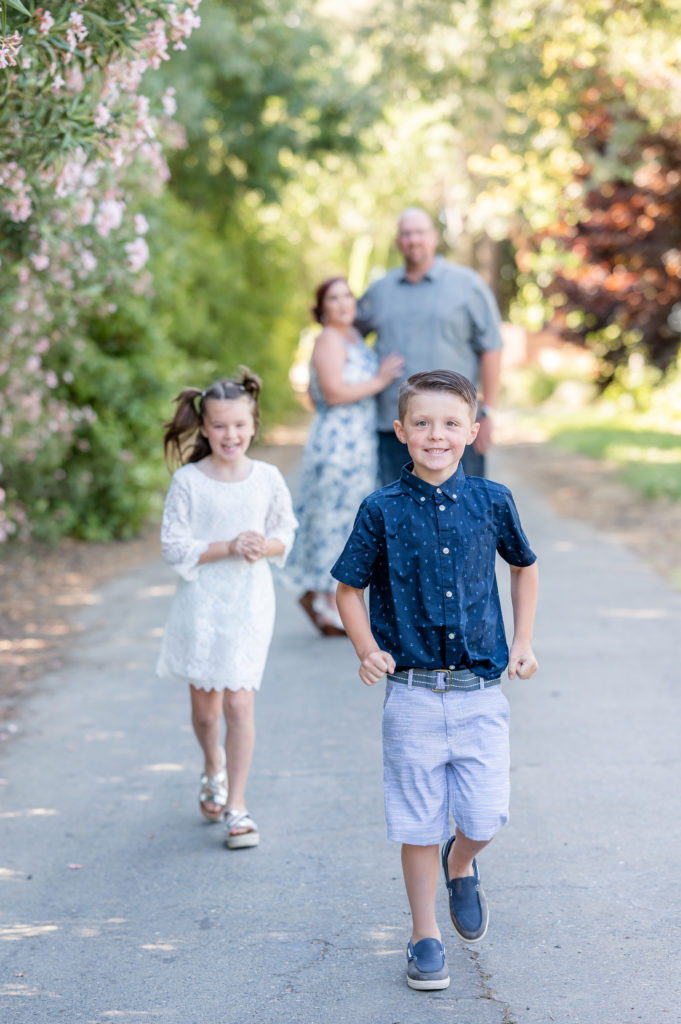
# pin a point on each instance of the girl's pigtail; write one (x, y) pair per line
(184, 425)
(250, 382)
(252, 385)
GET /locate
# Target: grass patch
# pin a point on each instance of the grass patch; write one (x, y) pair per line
(646, 454)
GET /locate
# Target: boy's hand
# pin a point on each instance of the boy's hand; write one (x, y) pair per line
(374, 666)
(521, 662)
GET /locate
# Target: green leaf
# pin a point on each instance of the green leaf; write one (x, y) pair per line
(18, 6)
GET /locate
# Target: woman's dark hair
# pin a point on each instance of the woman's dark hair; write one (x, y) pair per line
(318, 309)
(183, 441)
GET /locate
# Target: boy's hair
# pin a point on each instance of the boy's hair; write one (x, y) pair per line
(183, 441)
(436, 380)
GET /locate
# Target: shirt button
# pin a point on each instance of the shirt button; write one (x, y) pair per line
(445, 551)
(448, 594)
(452, 667)
(442, 508)
(438, 490)
(422, 498)
(451, 636)
(453, 495)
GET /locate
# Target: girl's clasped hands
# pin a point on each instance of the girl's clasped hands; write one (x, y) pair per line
(250, 544)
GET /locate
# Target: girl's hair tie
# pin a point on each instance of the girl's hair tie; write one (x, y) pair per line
(203, 394)
(242, 387)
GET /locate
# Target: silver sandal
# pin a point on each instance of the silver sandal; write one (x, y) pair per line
(240, 819)
(214, 791)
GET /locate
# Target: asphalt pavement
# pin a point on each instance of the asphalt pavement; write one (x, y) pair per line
(119, 903)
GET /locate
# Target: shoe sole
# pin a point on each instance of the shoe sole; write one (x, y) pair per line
(242, 842)
(463, 938)
(427, 986)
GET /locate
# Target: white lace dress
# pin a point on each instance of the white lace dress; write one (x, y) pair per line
(222, 615)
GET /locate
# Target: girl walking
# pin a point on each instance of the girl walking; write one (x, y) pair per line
(226, 515)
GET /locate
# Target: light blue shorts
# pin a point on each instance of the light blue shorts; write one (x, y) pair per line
(444, 754)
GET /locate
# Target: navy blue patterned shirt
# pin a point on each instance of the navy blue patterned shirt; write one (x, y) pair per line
(428, 555)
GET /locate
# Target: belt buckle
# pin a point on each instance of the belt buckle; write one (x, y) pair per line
(450, 685)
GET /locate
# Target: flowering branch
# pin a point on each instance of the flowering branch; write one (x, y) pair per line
(81, 147)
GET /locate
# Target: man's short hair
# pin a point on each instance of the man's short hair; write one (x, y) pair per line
(437, 380)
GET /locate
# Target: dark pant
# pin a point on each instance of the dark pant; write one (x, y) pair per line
(393, 455)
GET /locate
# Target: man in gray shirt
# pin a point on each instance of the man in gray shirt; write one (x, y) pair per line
(438, 316)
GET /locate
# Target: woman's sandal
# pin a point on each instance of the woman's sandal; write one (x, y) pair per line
(328, 621)
(318, 611)
(235, 819)
(306, 602)
(214, 791)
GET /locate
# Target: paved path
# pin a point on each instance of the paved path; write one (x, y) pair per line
(117, 903)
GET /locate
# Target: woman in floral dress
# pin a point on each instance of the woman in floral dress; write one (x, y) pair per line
(340, 459)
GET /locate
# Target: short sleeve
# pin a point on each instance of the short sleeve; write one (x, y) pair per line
(280, 522)
(486, 318)
(180, 549)
(355, 565)
(512, 544)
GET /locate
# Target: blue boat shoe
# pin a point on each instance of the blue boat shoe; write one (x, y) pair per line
(426, 965)
(467, 902)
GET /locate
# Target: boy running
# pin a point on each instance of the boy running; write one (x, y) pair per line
(426, 545)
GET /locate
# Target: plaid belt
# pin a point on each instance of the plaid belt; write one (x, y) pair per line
(442, 680)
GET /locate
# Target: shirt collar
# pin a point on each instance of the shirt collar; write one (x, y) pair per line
(431, 274)
(417, 488)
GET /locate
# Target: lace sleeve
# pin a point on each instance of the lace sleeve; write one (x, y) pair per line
(180, 549)
(280, 521)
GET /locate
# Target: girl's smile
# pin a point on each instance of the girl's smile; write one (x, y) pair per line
(229, 428)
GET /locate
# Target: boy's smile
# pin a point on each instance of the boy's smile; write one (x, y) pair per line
(436, 429)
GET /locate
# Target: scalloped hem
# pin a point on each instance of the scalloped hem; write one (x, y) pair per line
(207, 687)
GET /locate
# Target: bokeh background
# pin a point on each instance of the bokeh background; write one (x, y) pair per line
(175, 178)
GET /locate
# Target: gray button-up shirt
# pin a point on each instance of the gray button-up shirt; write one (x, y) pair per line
(444, 321)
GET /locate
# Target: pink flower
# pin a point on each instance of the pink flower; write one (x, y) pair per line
(77, 32)
(9, 48)
(51, 379)
(83, 211)
(102, 116)
(40, 260)
(74, 79)
(154, 46)
(88, 261)
(141, 224)
(138, 254)
(109, 217)
(169, 102)
(19, 209)
(182, 26)
(45, 21)
(70, 175)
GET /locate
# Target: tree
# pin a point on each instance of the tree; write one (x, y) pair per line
(558, 110)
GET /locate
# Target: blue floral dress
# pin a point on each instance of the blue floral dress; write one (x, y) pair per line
(339, 469)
